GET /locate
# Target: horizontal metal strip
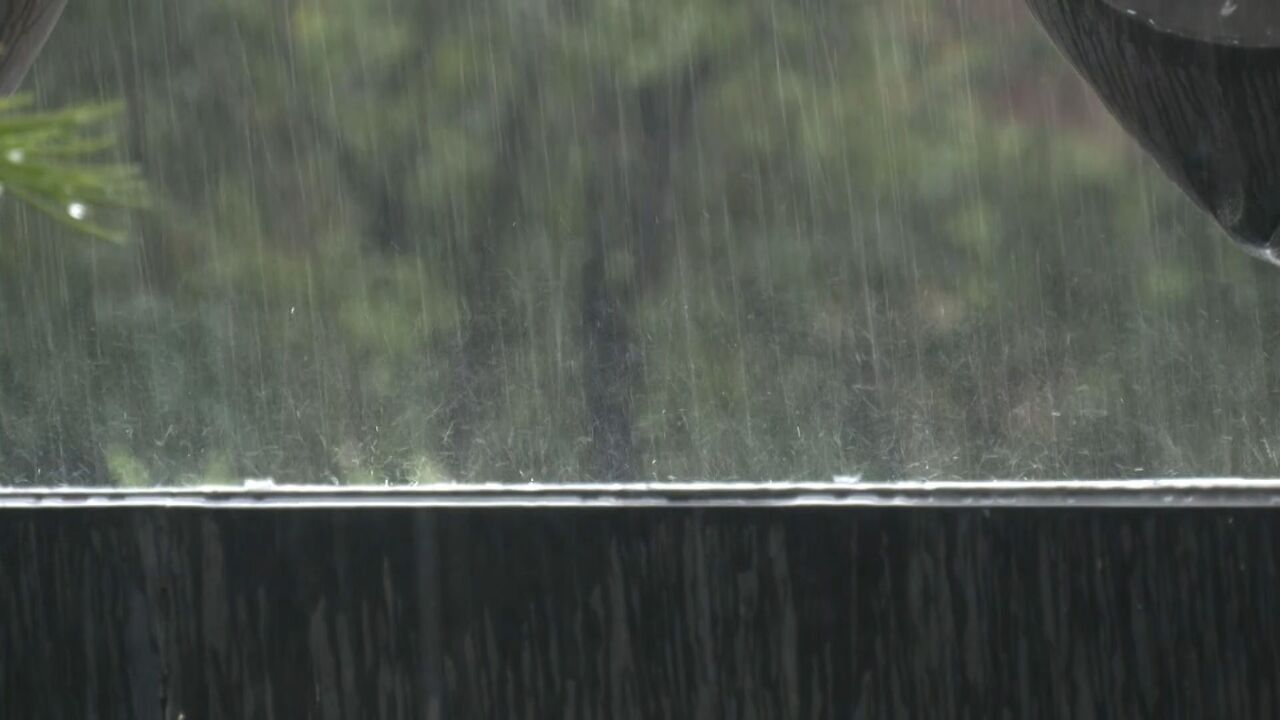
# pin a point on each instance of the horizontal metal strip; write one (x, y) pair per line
(847, 492)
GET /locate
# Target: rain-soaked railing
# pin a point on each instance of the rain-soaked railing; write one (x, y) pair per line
(840, 492)
(1141, 597)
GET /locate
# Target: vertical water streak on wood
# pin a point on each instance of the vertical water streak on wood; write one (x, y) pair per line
(583, 613)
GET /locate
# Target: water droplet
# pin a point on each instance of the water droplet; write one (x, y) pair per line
(77, 210)
(1229, 206)
(16, 155)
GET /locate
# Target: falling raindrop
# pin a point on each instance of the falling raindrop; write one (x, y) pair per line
(16, 156)
(77, 210)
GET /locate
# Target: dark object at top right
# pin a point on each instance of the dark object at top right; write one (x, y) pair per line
(1197, 83)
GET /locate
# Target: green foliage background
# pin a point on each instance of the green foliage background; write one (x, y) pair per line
(402, 241)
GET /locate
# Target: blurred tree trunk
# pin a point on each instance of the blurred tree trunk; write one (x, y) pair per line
(629, 210)
(482, 277)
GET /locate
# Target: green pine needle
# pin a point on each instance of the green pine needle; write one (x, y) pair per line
(49, 160)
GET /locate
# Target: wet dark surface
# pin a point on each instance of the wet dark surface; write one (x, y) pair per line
(1207, 110)
(601, 613)
(1250, 22)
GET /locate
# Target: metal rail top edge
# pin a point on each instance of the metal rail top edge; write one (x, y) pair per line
(841, 492)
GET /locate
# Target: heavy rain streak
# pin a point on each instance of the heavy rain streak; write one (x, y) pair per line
(399, 242)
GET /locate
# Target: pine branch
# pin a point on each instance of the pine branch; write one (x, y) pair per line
(51, 161)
